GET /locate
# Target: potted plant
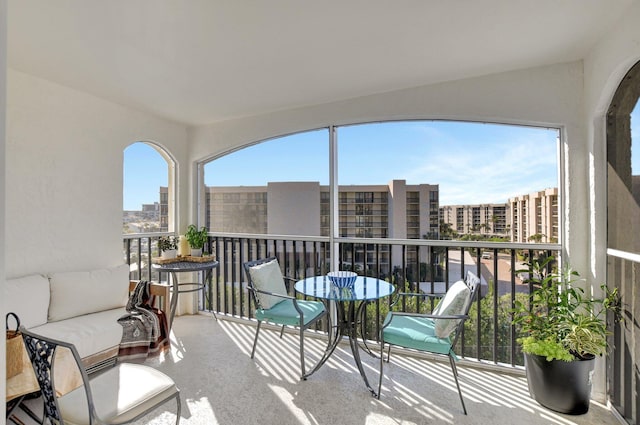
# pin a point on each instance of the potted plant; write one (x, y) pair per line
(197, 239)
(168, 246)
(563, 331)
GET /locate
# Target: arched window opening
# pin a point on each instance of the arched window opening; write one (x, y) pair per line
(407, 179)
(623, 243)
(291, 170)
(148, 189)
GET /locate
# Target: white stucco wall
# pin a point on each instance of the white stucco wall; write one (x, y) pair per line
(605, 66)
(545, 96)
(3, 92)
(64, 177)
(548, 96)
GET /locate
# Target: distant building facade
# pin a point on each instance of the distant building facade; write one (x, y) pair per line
(395, 210)
(481, 219)
(534, 217)
(164, 209)
(526, 218)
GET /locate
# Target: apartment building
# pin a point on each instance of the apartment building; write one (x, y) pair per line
(534, 217)
(481, 219)
(395, 210)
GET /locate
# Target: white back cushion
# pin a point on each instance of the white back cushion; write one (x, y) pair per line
(28, 297)
(268, 277)
(455, 302)
(77, 293)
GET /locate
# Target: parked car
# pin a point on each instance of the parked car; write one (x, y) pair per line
(486, 256)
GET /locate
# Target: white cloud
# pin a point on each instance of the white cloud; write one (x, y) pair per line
(490, 173)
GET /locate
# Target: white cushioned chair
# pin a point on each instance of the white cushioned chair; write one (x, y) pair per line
(274, 305)
(119, 395)
(435, 333)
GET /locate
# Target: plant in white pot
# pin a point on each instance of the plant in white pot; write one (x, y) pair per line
(563, 331)
(196, 238)
(168, 246)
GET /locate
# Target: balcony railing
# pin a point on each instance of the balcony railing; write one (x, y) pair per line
(412, 265)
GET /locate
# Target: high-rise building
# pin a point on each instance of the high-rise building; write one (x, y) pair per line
(164, 209)
(396, 210)
(534, 217)
(480, 219)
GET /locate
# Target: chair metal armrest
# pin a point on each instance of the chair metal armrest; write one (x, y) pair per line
(288, 297)
(398, 295)
(426, 316)
(430, 316)
(422, 294)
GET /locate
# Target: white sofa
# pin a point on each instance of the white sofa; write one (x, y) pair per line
(79, 307)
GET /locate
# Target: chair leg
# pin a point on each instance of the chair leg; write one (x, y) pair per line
(455, 376)
(179, 411)
(255, 340)
(381, 367)
(302, 353)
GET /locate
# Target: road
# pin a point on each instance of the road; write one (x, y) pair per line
(487, 273)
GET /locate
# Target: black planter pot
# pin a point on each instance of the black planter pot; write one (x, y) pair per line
(561, 386)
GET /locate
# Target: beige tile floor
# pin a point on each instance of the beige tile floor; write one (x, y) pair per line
(220, 384)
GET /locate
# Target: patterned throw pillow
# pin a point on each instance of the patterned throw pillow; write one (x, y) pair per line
(268, 277)
(455, 302)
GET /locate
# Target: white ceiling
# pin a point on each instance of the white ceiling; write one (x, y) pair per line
(202, 61)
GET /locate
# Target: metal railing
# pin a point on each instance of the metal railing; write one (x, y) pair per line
(623, 273)
(410, 264)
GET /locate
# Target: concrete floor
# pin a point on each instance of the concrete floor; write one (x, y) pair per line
(220, 384)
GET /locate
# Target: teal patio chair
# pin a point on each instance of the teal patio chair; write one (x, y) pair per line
(274, 305)
(435, 333)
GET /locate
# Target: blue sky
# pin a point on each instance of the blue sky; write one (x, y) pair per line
(471, 162)
(144, 172)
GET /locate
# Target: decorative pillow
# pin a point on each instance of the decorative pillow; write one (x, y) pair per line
(28, 297)
(77, 293)
(455, 302)
(268, 277)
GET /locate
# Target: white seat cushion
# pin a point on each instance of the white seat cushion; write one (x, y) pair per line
(90, 333)
(268, 277)
(120, 394)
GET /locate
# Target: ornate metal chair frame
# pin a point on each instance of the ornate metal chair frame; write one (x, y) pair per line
(42, 353)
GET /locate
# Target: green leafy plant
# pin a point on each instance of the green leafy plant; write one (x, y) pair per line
(560, 321)
(166, 243)
(196, 238)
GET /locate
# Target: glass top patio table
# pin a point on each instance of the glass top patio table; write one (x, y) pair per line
(364, 289)
(349, 310)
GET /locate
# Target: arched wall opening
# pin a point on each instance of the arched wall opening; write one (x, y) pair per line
(152, 194)
(623, 243)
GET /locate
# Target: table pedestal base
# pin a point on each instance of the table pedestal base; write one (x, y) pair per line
(348, 319)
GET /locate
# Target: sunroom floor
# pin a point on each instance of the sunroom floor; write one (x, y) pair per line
(220, 384)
